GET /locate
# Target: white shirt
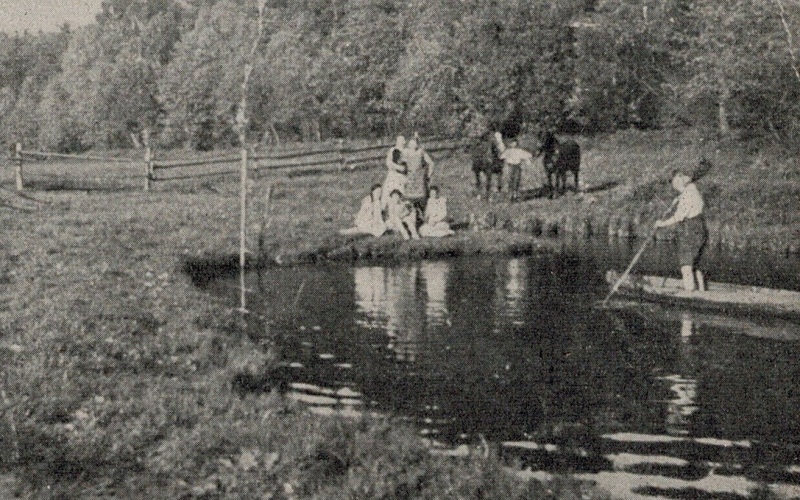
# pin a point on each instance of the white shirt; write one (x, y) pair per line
(690, 205)
(515, 156)
(436, 210)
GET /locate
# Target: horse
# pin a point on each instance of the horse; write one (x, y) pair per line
(486, 160)
(559, 157)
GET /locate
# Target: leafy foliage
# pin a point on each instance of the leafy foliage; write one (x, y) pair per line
(372, 67)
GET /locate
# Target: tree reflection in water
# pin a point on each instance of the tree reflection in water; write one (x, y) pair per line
(511, 349)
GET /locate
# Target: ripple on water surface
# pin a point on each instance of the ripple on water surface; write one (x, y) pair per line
(645, 401)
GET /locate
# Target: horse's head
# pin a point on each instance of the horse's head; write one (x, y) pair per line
(547, 136)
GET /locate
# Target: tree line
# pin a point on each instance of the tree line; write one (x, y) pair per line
(361, 68)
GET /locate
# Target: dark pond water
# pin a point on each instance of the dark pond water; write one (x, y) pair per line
(664, 402)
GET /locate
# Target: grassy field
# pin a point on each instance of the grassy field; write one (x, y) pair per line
(117, 370)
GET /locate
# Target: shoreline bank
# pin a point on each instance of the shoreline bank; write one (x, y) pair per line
(118, 369)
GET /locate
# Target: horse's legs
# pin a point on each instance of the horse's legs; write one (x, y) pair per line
(559, 185)
(477, 179)
(577, 186)
(500, 181)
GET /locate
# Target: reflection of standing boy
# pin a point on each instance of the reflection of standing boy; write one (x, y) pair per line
(514, 157)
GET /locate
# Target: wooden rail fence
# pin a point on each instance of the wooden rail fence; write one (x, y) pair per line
(341, 157)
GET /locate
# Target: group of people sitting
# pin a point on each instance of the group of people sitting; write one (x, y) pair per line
(405, 203)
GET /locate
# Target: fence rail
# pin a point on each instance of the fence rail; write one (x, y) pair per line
(44, 155)
(341, 156)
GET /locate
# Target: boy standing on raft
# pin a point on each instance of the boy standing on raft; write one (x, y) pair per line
(692, 230)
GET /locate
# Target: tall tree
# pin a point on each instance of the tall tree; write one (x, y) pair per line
(200, 86)
(363, 54)
(622, 63)
(734, 62)
(27, 63)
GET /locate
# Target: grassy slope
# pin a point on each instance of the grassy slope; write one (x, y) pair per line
(116, 371)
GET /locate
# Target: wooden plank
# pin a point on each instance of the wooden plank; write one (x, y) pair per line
(164, 165)
(66, 156)
(727, 297)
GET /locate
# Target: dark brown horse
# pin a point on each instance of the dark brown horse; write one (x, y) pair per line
(486, 162)
(559, 157)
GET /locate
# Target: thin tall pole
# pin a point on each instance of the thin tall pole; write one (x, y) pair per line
(148, 159)
(789, 41)
(242, 121)
(637, 256)
(243, 225)
(18, 167)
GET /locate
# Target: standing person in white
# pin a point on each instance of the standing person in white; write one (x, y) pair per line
(397, 171)
(514, 157)
(692, 230)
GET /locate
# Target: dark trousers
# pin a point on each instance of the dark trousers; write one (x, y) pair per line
(692, 239)
(514, 177)
(419, 204)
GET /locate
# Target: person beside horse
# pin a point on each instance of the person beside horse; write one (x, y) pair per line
(486, 162)
(514, 158)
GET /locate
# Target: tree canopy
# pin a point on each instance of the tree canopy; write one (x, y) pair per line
(340, 68)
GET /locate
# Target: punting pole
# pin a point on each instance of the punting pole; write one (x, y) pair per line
(637, 256)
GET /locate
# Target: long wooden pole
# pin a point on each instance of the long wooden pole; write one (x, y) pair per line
(18, 167)
(148, 160)
(243, 227)
(242, 121)
(637, 256)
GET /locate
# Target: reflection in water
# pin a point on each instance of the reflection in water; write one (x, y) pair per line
(683, 386)
(434, 275)
(381, 297)
(402, 302)
(511, 349)
(515, 282)
(370, 290)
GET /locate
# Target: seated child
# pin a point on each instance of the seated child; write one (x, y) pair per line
(434, 222)
(369, 219)
(402, 216)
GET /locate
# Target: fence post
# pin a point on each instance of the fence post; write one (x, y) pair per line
(342, 156)
(18, 166)
(148, 160)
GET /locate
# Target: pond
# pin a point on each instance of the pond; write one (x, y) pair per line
(515, 353)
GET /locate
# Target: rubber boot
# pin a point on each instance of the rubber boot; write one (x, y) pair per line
(688, 278)
(701, 282)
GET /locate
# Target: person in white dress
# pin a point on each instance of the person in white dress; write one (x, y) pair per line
(435, 219)
(369, 219)
(397, 170)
